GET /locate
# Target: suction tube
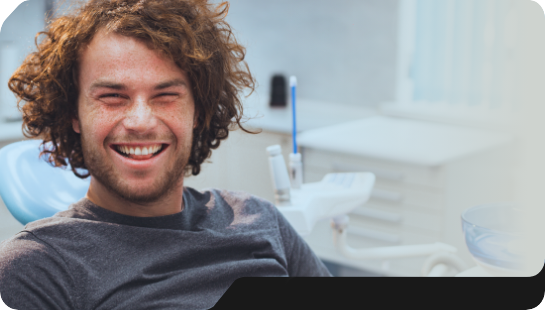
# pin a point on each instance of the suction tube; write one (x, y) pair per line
(279, 174)
(296, 170)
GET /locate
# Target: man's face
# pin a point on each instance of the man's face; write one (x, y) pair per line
(136, 117)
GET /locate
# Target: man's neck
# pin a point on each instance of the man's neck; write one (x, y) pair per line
(170, 203)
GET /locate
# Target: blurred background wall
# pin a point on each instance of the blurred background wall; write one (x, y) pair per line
(16, 41)
(341, 51)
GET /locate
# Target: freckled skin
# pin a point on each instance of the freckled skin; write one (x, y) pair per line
(139, 112)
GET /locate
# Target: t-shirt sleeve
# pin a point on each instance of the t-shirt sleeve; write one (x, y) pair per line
(33, 275)
(301, 260)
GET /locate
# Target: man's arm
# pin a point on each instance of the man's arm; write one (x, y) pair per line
(302, 262)
(33, 275)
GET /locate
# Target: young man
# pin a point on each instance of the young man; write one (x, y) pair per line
(138, 93)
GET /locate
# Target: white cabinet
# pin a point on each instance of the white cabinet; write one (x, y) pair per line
(413, 201)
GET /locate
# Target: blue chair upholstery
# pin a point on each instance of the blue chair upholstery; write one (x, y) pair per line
(33, 189)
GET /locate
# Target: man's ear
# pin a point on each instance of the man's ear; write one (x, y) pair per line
(75, 125)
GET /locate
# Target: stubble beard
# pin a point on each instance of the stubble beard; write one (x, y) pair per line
(105, 173)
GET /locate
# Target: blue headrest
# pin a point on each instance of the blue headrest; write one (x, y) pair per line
(32, 188)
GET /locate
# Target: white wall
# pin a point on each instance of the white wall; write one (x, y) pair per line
(341, 51)
(16, 41)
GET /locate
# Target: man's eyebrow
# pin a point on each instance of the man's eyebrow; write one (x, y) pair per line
(106, 84)
(119, 86)
(167, 84)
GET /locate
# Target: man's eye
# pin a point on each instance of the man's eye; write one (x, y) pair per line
(167, 95)
(112, 99)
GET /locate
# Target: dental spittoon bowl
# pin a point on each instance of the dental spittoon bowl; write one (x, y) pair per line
(493, 234)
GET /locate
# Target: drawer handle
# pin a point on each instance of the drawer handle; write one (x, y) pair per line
(386, 195)
(379, 173)
(373, 234)
(378, 215)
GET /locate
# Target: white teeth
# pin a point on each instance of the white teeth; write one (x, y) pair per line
(122, 149)
(140, 151)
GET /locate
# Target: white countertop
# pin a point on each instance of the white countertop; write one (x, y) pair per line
(310, 115)
(402, 140)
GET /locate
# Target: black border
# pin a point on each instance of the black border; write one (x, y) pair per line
(387, 292)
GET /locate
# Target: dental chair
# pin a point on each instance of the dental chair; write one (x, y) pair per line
(31, 188)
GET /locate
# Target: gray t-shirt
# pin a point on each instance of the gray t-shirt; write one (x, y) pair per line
(91, 258)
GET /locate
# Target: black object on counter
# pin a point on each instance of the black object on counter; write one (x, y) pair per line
(279, 91)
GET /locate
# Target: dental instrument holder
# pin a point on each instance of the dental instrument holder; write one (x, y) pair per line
(279, 174)
(337, 194)
(296, 171)
(333, 198)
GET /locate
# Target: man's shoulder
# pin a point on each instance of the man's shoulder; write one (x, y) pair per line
(236, 199)
(22, 249)
(64, 225)
(31, 271)
(76, 214)
(246, 208)
(55, 219)
(33, 238)
(57, 222)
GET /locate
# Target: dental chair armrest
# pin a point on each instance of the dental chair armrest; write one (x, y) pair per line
(440, 262)
(340, 226)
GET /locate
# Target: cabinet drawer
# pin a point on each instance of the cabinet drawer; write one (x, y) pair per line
(363, 238)
(400, 195)
(322, 235)
(383, 170)
(366, 236)
(400, 229)
(417, 221)
(391, 193)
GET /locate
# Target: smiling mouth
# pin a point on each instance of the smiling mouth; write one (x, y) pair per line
(139, 152)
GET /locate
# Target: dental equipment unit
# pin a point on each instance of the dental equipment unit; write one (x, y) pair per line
(336, 195)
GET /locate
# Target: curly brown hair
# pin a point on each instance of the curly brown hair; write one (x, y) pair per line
(193, 33)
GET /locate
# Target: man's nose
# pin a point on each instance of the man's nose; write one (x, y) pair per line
(140, 117)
